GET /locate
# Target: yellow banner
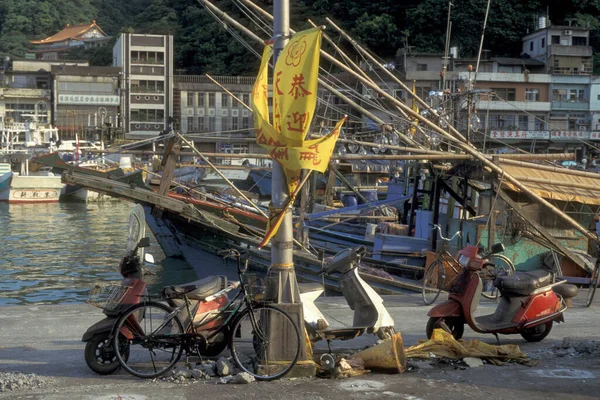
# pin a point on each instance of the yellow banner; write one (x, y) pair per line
(260, 91)
(312, 154)
(295, 82)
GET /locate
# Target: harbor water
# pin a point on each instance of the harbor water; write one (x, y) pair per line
(55, 253)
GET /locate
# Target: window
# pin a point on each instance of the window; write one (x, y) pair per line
(540, 123)
(581, 95)
(579, 41)
(543, 42)
(599, 97)
(532, 94)
(571, 125)
(234, 124)
(523, 122)
(246, 98)
(201, 99)
(531, 46)
(227, 123)
(399, 94)
(559, 94)
(211, 100)
(190, 99)
(224, 100)
(190, 124)
(245, 123)
(211, 123)
(555, 39)
(421, 67)
(507, 94)
(201, 126)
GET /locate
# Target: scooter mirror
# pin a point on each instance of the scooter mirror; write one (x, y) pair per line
(497, 248)
(144, 242)
(149, 258)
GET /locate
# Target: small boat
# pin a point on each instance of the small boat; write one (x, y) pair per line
(25, 186)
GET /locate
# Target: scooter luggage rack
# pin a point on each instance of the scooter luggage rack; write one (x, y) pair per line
(107, 297)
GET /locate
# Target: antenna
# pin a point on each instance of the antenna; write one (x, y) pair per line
(445, 61)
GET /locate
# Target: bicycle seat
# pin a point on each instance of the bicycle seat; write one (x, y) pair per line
(197, 290)
(523, 283)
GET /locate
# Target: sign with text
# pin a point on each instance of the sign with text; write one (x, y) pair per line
(594, 135)
(520, 135)
(88, 99)
(569, 135)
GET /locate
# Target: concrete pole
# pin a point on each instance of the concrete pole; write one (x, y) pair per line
(282, 276)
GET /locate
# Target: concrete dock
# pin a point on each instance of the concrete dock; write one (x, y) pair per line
(45, 340)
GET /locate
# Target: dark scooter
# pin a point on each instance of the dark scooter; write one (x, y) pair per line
(99, 354)
(528, 305)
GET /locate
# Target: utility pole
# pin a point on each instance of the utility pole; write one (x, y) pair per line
(282, 286)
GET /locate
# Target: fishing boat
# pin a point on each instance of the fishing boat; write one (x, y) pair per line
(18, 184)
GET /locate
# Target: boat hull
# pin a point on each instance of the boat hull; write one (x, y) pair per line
(31, 189)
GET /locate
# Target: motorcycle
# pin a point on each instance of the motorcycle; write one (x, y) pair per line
(370, 315)
(528, 305)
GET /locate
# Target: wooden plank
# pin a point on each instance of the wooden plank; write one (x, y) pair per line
(543, 232)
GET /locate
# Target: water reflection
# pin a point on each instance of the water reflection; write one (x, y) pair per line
(54, 253)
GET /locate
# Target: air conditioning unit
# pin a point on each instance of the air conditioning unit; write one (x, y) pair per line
(211, 112)
(245, 113)
(568, 32)
(234, 113)
(224, 113)
(190, 111)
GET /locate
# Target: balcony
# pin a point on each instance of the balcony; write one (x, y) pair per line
(147, 61)
(533, 106)
(508, 77)
(571, 105)
(570, 51)
(143, 90)
(25, 93)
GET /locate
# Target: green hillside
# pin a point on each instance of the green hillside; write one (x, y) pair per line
(203, 46)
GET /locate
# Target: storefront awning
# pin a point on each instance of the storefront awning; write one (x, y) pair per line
(556, 185)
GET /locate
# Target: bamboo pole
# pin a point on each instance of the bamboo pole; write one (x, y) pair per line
(392, 76)
(229, 93)
(460, 143)
(238, 191)
(369, 114)
(424, 155)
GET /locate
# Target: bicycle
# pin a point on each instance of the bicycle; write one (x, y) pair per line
(437, 278)
(153, 337)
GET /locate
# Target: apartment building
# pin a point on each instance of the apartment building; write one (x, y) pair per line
(85, 99)
(146, 63)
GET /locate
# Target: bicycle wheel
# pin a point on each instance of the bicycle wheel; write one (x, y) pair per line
(433, 281)
(592, 287)
(502, 267)
(152, 333)
(265, 342)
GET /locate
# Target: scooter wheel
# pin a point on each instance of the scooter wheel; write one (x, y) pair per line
(455, 325)
(537, 333)
(98, 358)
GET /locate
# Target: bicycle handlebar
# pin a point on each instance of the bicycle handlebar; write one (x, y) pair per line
(439, 228)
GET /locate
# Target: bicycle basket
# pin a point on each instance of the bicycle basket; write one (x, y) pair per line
(256, 287)
(107, 296)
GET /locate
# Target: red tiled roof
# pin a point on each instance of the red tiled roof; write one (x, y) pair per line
(69, 32)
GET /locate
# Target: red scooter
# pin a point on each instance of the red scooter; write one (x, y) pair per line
(528, 305)
(99, 355)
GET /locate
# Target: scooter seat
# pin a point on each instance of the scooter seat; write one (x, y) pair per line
(197, 290)
(309, 287)
(523, 283)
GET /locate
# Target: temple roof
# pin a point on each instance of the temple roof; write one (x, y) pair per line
(69, 32)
